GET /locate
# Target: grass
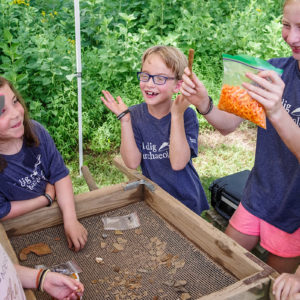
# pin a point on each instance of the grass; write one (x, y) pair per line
(218, 156)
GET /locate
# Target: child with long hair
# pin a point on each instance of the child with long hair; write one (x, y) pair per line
(32, 171)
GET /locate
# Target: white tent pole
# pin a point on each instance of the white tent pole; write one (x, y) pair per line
(78, 75)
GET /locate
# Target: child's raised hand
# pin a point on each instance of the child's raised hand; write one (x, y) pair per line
(179, 105)
(287, 286)
(194, 90)
(268, 93)
(76, 234)
(116, 106)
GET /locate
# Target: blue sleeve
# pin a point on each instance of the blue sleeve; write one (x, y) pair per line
(191, 126)
(5, 206)
(54, 163)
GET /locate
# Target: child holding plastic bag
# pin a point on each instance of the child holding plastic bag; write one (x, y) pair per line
(15, 277)
(270, 208)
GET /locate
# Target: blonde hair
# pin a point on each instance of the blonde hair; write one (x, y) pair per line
(171, 56)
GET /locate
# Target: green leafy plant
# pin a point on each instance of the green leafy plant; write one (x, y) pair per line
(37, 53)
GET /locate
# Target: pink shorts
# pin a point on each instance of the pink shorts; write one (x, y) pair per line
(272, 238)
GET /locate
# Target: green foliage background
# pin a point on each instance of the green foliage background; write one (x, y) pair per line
(37, 53)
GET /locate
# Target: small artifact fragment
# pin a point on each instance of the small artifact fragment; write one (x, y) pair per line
(121, 240)
(167, 257)
(118, 246)
(185, 296)
(99, 260)
(138, 231)
(116, 269)
(104, 235)
(180, 283)
(102, 245)
(179, 264)
(169, 283)
(39, 249)
(118, 232)
(181, 289)
(142, 270)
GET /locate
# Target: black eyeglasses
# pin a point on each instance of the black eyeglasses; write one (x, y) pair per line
(157, 79)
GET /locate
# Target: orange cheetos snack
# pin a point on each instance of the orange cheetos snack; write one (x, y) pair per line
(234, 98)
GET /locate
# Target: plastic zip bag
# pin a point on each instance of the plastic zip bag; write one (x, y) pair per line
(234, 98)
(66, 268)
(121, 222)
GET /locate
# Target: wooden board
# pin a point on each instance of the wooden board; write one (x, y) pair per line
(90, 203)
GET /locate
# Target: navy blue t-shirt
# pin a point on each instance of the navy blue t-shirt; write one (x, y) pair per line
(28, 172)
(272, 192)
(152, 137)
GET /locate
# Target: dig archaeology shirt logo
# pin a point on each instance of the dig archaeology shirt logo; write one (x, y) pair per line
(35, 177)
(295, 113)
(151, 151)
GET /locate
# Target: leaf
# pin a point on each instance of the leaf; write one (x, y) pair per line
(7, 35)
(70, 76)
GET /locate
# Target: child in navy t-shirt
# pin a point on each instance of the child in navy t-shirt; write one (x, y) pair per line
(32, 171)
(161, 135)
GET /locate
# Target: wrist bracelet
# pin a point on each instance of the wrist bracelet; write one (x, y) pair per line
(211, 105)
(122, 114)
(49, 199)
(41, 279)
(38, 278)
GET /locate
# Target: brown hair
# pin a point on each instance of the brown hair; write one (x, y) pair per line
(30, 138)
(172, 57)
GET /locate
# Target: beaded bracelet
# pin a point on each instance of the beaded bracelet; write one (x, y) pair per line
(211, 105)
(122, 114)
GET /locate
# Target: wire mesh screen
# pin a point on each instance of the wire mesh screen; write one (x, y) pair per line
(153, 261)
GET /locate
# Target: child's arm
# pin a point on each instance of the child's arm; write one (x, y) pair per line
(195, 92)
(55, 284)
(179, 149)
(76, 234)
(129, 150)
(22, 207)
(269, 94)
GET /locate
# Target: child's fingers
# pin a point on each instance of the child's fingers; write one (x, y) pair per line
(77, 244)
(120, 101)
(187, 91)
(70, 243)
(268, 80)
(260, 94)
(188, 81)
(108, 96)
(187, 71)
